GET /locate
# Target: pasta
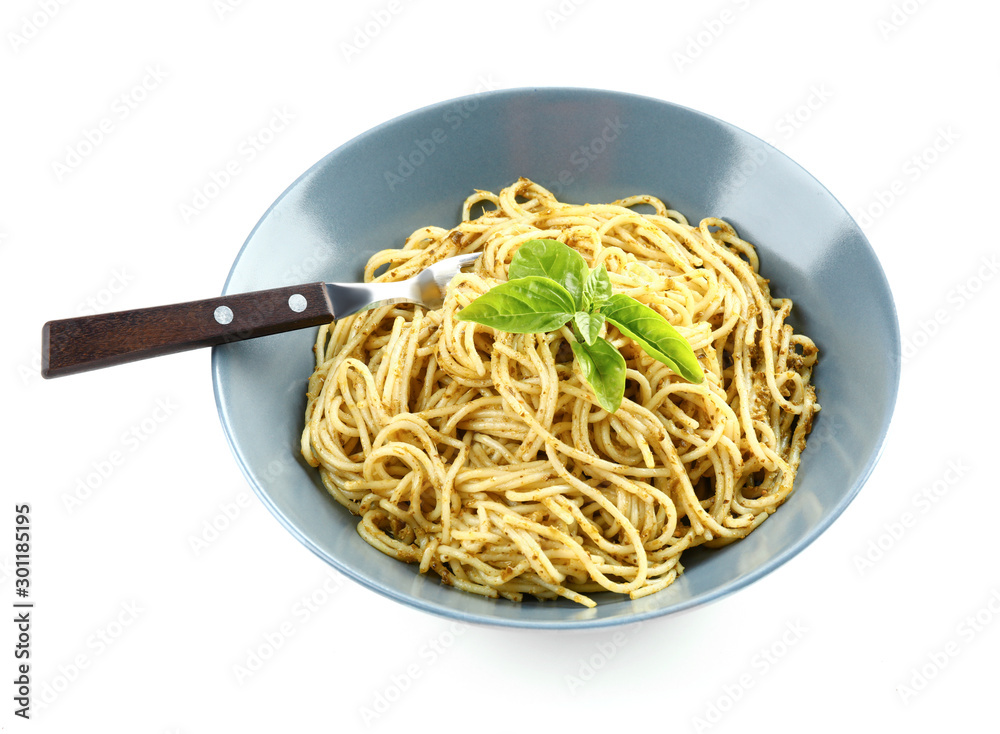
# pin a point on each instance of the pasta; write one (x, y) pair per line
(484, 456)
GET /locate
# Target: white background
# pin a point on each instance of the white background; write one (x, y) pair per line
(891, 104)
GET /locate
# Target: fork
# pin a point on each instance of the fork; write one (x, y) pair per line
(103, 340)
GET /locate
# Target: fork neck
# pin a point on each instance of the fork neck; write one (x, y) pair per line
(349, 298)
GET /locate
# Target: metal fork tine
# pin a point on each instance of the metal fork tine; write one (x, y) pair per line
(426, 288)
(459, 261)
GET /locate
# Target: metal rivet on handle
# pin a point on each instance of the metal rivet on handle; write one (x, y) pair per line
(297, 302)
(224, 314)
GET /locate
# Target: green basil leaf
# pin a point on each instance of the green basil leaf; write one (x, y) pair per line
(530, 305)
(588, 326)
(654, 334)
(597, 287)
(604, 368)
(551, 259)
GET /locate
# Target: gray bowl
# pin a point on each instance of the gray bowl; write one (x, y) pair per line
(586, 146)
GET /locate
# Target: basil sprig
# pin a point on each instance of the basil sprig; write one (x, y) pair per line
(549, 284)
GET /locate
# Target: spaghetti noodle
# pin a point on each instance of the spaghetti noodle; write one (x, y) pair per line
(484, 456)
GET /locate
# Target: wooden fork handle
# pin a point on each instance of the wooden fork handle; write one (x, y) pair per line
(93, 342)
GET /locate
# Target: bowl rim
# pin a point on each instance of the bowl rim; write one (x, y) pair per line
(597, 622)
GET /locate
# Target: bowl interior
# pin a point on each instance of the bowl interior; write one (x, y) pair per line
(586, 146)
